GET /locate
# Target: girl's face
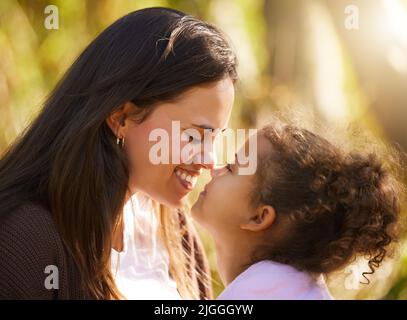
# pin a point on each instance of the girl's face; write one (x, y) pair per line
(224, 207)
(206, 106)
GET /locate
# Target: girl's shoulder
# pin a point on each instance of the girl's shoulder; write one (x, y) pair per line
(267, 280)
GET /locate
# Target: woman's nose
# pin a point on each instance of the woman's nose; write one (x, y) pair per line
(209, 161)
(206, 159)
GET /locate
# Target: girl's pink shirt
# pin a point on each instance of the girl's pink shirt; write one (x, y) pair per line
(268, 280)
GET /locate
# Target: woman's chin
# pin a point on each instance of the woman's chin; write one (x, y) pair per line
(172, 200)
(176, 203)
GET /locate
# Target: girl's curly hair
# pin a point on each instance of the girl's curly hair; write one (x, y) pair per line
(331, 206)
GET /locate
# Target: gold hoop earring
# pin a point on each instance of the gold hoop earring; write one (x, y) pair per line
(120, 142)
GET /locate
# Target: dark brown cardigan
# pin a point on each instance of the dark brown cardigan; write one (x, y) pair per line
(29, 241)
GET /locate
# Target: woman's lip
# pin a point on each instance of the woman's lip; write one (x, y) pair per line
(187, 178)
(187, 185)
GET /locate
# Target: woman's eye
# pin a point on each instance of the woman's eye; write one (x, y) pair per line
(194, 139)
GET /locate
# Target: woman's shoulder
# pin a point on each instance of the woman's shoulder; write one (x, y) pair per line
(28, 219)
(29, 245)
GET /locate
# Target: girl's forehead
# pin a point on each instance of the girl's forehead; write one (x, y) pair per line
(263, 145)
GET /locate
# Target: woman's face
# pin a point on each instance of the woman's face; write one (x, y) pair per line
(224, 207)
(206, 106)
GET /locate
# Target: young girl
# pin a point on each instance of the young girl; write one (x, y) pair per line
(308, 211)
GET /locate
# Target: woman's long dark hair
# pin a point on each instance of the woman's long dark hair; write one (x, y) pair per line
(67, 159)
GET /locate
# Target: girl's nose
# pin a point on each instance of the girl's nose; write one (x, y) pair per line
(216, 171)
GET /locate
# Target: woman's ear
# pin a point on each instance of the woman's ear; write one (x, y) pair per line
(118, 120)
(262, 220)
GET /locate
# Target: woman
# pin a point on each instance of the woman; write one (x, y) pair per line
(65, 182)
(309, 210)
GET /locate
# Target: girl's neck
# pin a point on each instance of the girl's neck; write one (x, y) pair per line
(232, 261)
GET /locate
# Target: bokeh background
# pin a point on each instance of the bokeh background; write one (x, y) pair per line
(333, 66)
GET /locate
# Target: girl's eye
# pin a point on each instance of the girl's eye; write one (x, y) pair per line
(229, 167)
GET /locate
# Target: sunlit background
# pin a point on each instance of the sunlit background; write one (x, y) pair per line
(342, 64)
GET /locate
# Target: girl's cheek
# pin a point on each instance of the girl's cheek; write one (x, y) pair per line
(218, 188)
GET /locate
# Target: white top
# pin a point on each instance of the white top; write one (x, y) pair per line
(141, 270)
(267, 280)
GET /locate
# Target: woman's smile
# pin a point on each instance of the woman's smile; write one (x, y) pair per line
(187, 178)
